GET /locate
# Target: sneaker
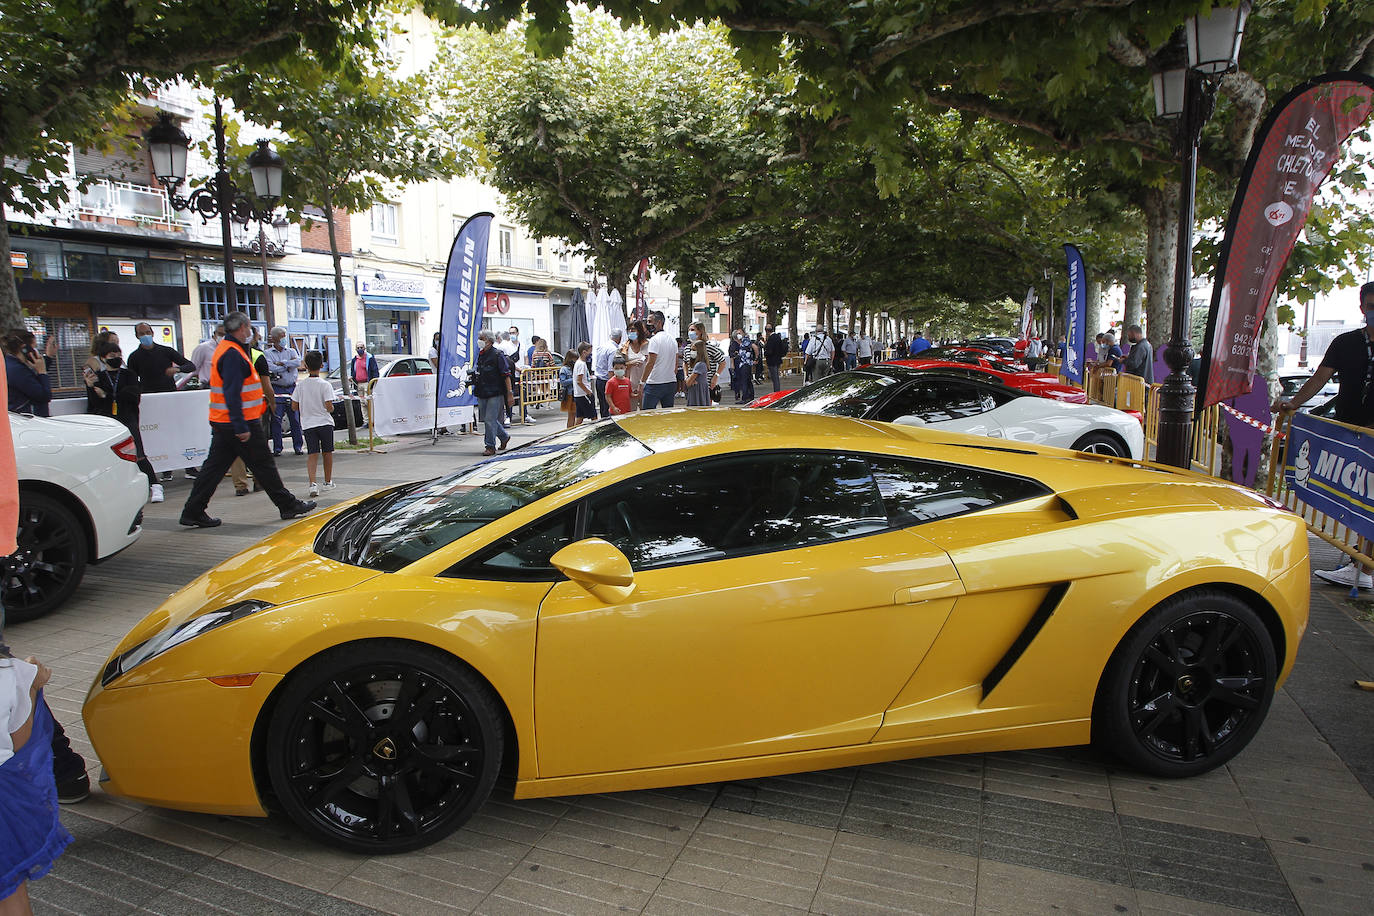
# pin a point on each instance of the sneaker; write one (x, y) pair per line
(71, 791)
(504, 442)
(276, 453)
(299, 509)
(241, 491)
(1347, 576)
(313, 491)
(530, 421)
(329, 485)
(155, 493)
(201, 521)
(192, 473)
(300, 451)
(488, 452)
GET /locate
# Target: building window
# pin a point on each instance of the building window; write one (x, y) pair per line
(538, 255)
(384, 223)
(214, 309)
(310, 304)
(73, 332)
(458, 225)
(564, 267)
(506, 246)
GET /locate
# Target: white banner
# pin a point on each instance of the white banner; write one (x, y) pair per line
(405, 404)
(176, 428)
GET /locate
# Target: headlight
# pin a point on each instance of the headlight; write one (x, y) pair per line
(175, 636)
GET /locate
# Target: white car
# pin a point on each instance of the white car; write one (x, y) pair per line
(929, 397)
(81, 498)
(388, 365)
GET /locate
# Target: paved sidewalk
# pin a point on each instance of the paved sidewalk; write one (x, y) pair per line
(1285, 828)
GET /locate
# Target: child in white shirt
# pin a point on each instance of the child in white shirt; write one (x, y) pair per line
(314, 398)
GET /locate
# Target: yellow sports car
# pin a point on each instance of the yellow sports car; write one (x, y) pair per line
(690, 596)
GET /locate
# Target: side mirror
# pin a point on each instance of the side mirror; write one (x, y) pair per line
(597, 566)
(909, 420)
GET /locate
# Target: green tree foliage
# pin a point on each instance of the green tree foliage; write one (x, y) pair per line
(69, 65)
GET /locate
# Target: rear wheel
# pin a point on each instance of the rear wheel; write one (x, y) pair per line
(384, 746)
(1188, 687)
(49, 560)
(1101, 444)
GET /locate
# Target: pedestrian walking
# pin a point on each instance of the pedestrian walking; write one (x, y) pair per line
(492, 387)
(313, 398)
(283, 365)
(115, 392)
(237, 405)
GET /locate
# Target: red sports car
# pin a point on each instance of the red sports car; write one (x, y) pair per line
(978, 366)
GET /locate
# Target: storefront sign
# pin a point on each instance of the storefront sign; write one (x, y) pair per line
(405, 404)
(128, 269)
(1331, 468)
(496, 303)
(19, 260)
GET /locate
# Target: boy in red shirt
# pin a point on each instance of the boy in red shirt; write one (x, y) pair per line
(618, 387)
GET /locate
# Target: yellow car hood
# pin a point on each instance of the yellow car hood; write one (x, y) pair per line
(280, 569)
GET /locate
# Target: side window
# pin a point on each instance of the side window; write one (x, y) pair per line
(523, 554)
(738, 505)
(919, 399)
(914, 492)
(402, 367)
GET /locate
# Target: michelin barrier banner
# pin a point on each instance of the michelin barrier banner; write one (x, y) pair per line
(405, 404)
(175, 426)
(1331, 468)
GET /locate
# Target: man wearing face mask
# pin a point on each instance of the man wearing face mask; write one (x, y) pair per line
(155, 364)
(237, 405)
(1350, 358)
(820, 349)
(660, 367)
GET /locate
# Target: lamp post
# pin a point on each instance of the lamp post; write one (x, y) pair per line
(220, 197)
(1049, 310)
(734, 287)
(275, 246)
(1188, 95)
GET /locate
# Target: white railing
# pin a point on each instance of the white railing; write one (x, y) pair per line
(125, 200)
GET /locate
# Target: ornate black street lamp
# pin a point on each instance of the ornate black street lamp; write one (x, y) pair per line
(219, 196)
(1189, 94)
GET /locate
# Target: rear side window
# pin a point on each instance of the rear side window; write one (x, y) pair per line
(915, 492)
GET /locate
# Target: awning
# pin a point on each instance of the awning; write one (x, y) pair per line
(396, 303)
(281, 279)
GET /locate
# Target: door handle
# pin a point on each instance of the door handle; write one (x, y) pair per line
(915, 594)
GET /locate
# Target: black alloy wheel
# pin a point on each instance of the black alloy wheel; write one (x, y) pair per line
(49, 560)
(1188, 687)
(1101, 444)
(383, 746)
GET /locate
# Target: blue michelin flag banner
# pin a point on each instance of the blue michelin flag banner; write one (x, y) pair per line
(460, 320)
(1330, 466)
(1076, 317)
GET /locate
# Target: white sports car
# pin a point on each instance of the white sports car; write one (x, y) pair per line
(929, 397)
(81, 498)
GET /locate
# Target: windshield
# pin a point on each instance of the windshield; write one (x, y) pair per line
(849, 394)
(393, 529)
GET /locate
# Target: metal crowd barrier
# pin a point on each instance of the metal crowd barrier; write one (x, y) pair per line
(1322, 525)
(538, 386)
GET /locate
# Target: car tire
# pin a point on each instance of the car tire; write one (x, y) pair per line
(1188, 687)
(1101, 444)
(383, 746)
(49, 560)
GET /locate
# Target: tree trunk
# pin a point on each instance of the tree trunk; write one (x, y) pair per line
(11, 312)
(684, 309)
(1135, 295)
(345, 377)
(792, 311)
(1095, 322)
(1161, 256)
(736, 294)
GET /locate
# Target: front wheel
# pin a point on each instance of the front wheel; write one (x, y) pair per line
(384, 746)
(1188, 687)
(49, 560)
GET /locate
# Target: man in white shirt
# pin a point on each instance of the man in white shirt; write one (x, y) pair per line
(865, 351)
(822, 349)
(660, 368)
(602, 357)
(851, 351)
(202, 356)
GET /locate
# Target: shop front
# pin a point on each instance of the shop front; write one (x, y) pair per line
(396, 310)
(69, 290)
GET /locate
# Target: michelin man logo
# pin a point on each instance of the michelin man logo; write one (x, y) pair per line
(1302, 468)
(456, 372)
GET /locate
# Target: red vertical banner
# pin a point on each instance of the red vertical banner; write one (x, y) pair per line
(642, 290)
(1293, 153)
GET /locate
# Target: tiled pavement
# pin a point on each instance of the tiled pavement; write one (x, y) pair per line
(1285, 828)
